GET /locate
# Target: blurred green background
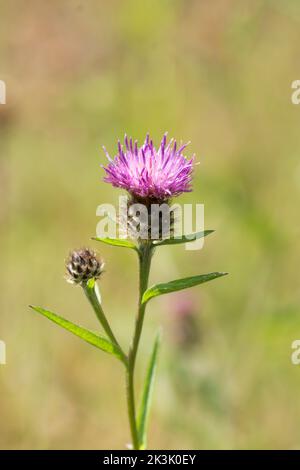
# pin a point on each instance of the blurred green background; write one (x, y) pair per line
(218, 73)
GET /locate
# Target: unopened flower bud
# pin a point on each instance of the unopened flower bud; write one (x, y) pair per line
(83, 265)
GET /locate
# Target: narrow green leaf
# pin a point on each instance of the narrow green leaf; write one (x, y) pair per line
(178, 284)
(87, 335)
(184, 239)
(117, 242)
(147, 394)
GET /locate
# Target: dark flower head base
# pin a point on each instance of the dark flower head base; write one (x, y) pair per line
(152, 227)
(150, 174)
(83, 265)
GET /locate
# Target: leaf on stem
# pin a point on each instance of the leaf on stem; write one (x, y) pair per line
(184, 239)
(87, 335)
(147, 394)
(122, 242)
(178, 284)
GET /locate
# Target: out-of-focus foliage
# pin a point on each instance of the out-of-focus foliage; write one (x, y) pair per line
(79, 75)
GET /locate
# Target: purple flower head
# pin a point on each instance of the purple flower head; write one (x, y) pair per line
(148, 172)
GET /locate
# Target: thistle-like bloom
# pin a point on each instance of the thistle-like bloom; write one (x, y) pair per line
(83, 265)
(148, 172)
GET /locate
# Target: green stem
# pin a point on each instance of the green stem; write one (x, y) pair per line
(145, 255)
(131, 408)
(92, 293)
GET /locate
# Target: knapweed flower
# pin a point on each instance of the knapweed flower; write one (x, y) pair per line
(152, 176)
(150, 173)
(83, 265)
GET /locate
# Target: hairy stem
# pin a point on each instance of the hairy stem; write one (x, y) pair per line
(145, 255)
